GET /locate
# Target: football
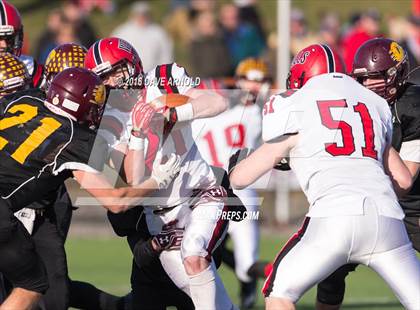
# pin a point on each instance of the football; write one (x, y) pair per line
(170, 100)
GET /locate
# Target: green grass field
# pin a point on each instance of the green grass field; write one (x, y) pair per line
(106, 263)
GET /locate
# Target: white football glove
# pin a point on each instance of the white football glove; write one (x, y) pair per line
(163, 174)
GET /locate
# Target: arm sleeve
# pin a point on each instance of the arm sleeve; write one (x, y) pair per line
(280, 117)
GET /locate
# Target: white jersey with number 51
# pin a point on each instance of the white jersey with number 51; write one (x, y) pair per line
(343, 129)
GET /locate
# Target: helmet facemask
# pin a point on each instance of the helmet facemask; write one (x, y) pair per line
(13, 85)
(124, 76)
(94, 117)
(389, 81)
(14, 40)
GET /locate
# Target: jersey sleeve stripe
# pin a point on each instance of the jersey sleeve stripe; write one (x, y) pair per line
(158, 77)
(172, 85)
(164, 78)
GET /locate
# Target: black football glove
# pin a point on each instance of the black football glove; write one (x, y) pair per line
(283, 165)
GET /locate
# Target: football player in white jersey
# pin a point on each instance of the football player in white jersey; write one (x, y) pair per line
(220, 137)
(193, 200)
(338, 137)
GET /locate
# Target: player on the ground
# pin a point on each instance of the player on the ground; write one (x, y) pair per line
(220, 137)
(382, 66)
(43, 142)
(338, 136)
(11, 41)
(119, 65)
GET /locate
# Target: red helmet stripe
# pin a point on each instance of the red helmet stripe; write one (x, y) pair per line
(3, 15)
(330, 57)
(97, 53)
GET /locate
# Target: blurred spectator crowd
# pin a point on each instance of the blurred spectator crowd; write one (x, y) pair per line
(217, 36)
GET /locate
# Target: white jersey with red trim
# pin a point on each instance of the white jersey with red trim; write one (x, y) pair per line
(343, 129)
(195, 172)
(222, 135)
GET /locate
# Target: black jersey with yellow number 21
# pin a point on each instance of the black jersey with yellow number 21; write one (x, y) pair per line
(38, 149)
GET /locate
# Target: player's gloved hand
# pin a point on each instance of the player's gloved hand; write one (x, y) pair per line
(237, 158)
(169, 239)
(283, 165)
(142, 115)
(163, 174)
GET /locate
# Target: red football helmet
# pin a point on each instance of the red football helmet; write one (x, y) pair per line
(11, 28)
(313, 60)
(109, 54)
(79, 94)
(64, 56)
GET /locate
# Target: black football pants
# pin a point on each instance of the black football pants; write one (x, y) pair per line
(19, 261)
